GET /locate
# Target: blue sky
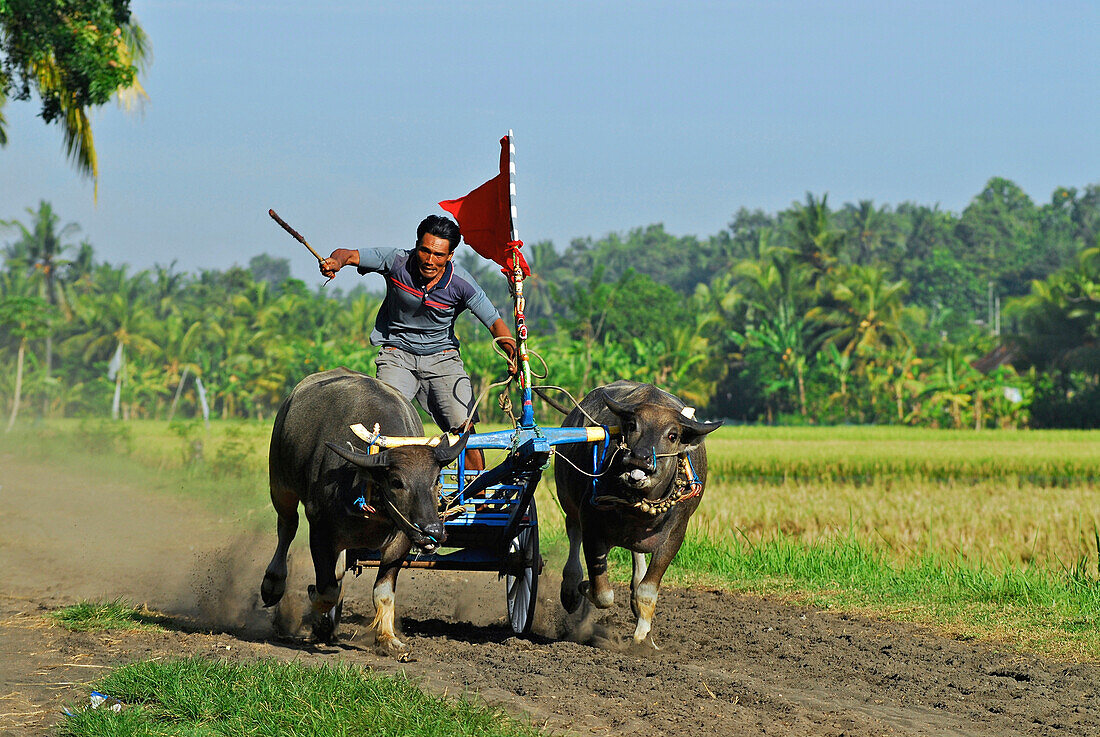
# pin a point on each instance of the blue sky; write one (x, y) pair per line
(352, 119)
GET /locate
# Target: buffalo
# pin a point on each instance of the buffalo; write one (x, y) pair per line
(387, 501)
(650, 483)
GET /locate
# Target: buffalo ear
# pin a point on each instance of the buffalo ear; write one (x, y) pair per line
(622, 411)
(445, 452)
(693, 431)
(359, 458)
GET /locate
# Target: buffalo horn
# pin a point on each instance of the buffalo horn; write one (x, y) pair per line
(623, 411)
(445, 452)
(701, 428)
(358, 458)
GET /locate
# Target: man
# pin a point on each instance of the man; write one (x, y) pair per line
(425, 293)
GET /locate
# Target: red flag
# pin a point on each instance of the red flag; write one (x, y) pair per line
(485, 218)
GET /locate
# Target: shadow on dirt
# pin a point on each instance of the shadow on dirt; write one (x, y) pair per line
(464, 632)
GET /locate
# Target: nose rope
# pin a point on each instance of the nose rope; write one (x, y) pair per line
(686, 485)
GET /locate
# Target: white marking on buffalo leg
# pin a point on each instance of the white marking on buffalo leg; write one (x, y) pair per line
(645, 601)
(341, 565)
(605, 599)
(384, 617)
(640, 568)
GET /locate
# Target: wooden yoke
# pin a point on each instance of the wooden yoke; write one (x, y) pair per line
(375, 440)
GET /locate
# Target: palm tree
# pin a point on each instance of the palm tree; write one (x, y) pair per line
(812, 235)
(115, 320)
(899, 376)
(865, 316)
(778, 293)
(1061, 317)
(839, 366)
(24, 318)
(181, 338)
(947, 383)
(119, 55)
(40, 250)
(866, 233)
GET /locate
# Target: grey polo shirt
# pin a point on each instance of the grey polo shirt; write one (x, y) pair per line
(417, 321)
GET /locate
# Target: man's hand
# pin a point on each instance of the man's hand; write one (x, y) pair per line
(504, 337)
(513, 360)
(339, 258)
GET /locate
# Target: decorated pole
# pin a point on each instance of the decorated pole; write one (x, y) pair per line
(527, 415)
(487, 217)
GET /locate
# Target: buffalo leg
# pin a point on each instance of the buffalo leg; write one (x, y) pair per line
(597, 588)
(327, 592)
(571, 575)
(643, 598)
(274, 583)
(385, 591)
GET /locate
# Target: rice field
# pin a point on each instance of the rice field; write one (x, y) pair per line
(1004, 498)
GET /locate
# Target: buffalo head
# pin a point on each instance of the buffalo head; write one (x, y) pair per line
(406, 481)
(653, 436)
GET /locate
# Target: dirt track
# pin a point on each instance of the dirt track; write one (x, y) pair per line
(728, 665)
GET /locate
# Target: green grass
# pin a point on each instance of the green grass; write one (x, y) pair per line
(1056, 613)
(870, 455)
(199, 696)
(90, 616)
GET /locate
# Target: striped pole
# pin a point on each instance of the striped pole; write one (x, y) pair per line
(512, 183)
(527, 415)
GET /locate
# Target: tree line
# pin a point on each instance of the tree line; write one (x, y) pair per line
(865, 313)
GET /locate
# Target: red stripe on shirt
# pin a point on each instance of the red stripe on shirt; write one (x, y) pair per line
(418, 293)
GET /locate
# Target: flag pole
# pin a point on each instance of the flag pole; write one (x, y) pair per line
(527, 415)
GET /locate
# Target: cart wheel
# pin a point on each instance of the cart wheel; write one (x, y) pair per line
(522, 590)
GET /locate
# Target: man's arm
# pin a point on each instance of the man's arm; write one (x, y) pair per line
(500, 330)
(339, 258)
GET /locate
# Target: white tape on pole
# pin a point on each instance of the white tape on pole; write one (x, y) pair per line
(512, 183)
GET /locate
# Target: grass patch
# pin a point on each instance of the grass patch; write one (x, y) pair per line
(198, 696)
(88, 616)
(1056, 613)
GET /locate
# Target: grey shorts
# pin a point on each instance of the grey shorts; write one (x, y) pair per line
(438, 382)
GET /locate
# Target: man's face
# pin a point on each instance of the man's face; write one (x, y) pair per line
(432, 255)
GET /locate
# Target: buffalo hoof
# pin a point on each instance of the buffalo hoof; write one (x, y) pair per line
(272, 589)
(324, 624)
(391, 647)
(605, 599)
(325, 617)
(324, 629)
(570, 596)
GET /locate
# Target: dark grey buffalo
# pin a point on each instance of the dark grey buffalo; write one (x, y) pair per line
(651, 485)
(313, 461)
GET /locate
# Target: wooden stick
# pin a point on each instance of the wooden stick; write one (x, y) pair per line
(296, 235)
